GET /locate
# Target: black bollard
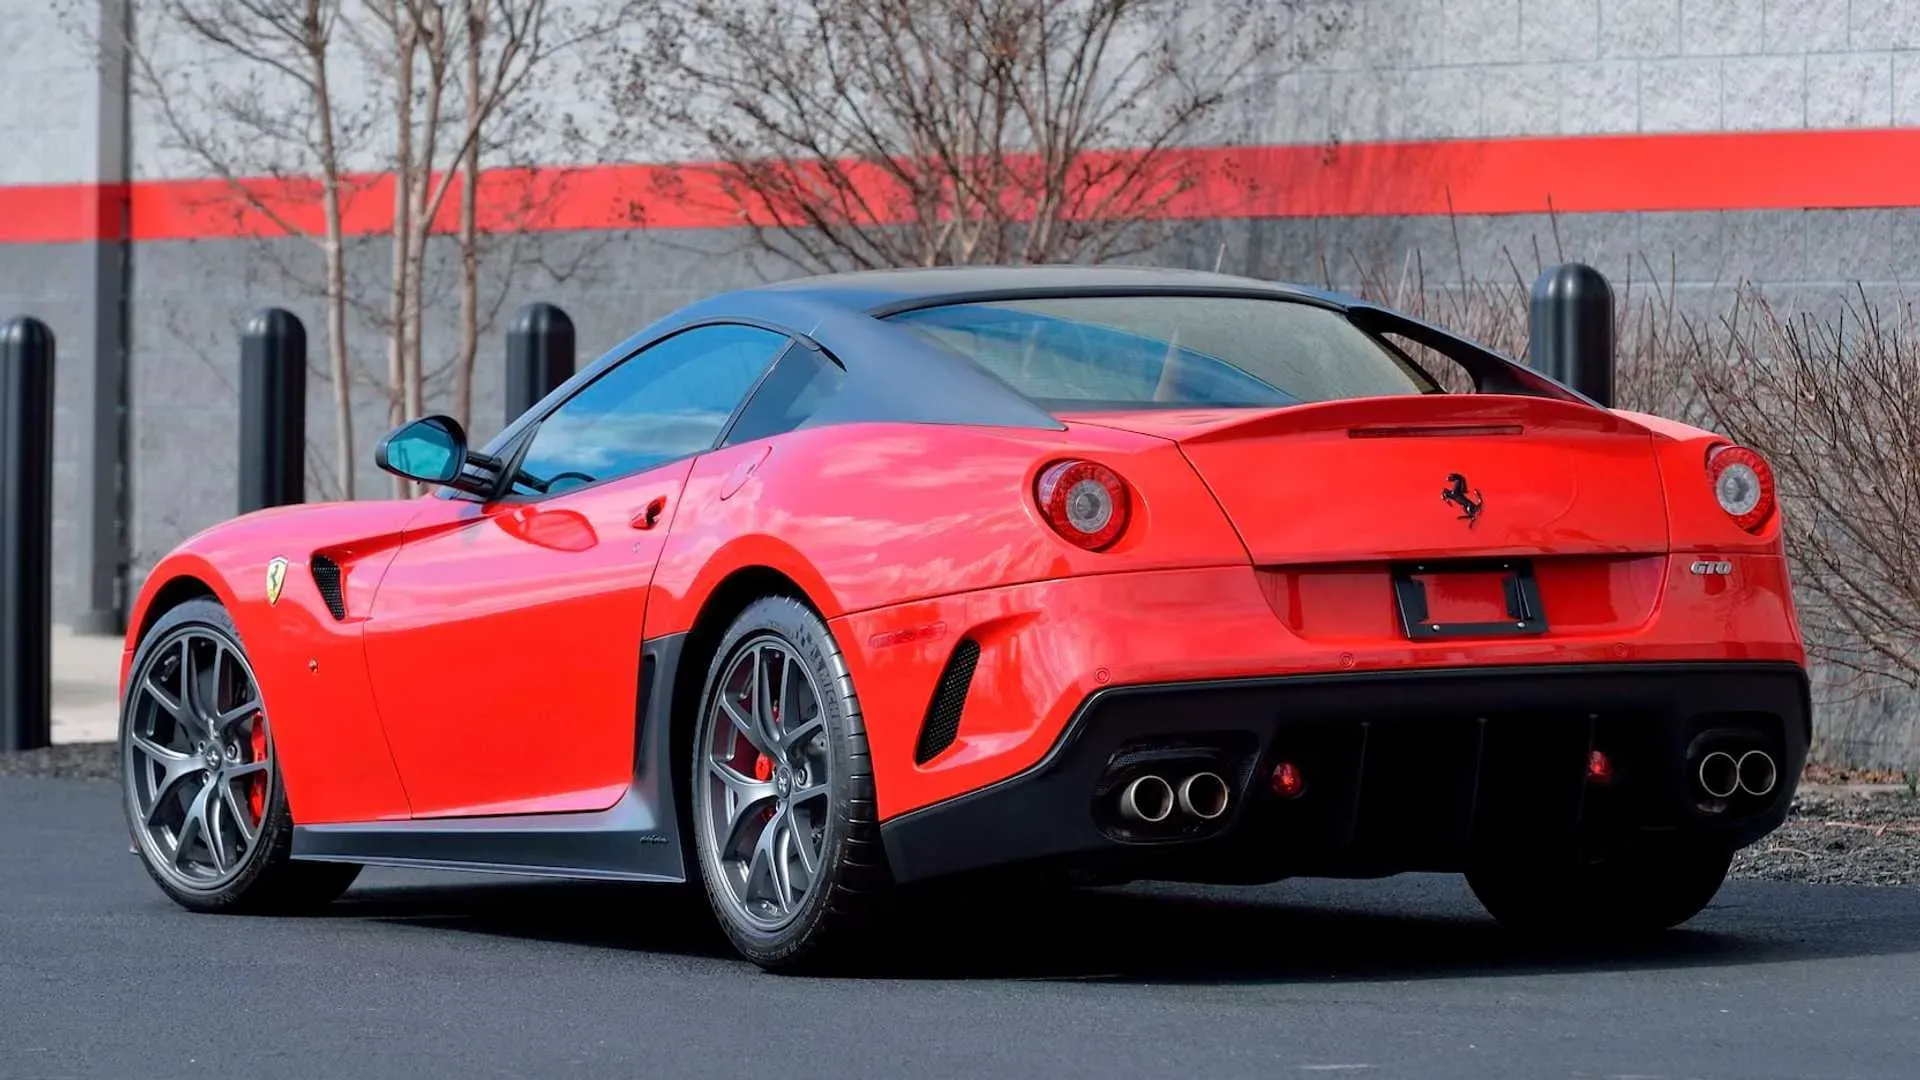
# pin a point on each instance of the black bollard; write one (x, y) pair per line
(1570, 327)
(273, 411)
(539, 356)
(26, 535)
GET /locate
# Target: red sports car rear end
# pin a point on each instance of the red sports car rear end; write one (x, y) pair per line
(816, 590)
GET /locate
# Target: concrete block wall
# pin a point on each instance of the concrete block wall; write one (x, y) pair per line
(1417, 69)
(51, 120)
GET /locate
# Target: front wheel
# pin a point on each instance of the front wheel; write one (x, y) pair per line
(782, 792)
(201, 784)
(1626, 893)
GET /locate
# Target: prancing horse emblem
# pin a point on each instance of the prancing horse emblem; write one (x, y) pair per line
(276, 579)
(1456, 493)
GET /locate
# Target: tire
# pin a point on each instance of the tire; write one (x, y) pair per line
(164, 775)
(816, 788)
(1627, 894)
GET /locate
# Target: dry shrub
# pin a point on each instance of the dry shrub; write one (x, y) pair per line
(1834, 404)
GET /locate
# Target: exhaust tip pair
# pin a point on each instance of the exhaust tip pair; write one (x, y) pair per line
(1754, 772)
(1151, 799)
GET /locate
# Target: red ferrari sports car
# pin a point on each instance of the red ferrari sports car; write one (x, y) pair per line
(820, 589)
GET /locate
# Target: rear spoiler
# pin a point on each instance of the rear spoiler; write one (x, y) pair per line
(1492, 373)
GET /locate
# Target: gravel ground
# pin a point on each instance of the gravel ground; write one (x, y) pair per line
(1841, 837)
(1833, 836)
(69, 761)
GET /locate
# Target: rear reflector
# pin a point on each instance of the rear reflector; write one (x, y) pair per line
(1287, 781)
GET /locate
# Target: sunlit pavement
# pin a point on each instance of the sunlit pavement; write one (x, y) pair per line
(86, 687)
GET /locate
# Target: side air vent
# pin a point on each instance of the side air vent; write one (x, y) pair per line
(949, 700)
(326, 577)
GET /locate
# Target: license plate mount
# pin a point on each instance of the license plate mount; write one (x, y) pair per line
(1481, 598)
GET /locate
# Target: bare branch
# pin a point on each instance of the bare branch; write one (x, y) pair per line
(868, 133)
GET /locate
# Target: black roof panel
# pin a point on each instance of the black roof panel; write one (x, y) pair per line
(892, 289)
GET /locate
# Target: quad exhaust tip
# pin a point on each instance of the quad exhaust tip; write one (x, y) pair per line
(1150, 799)
(1719, 775)
(1203, 795)
(1758, 773)
(1147, 798)
(1754, 772)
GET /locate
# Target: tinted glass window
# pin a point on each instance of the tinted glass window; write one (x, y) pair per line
(1137, 352)
(800, 383)
(667, 402)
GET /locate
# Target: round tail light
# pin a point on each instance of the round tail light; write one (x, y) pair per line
(1742, 484)
(1086, 503)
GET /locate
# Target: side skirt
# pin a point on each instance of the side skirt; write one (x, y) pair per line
(635, 839)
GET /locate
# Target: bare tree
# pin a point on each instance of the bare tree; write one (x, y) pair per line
(485, 52)
(438, 90)
(873, 133)
(276, 122)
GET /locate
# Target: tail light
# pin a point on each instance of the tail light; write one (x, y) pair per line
(1087, 504)
(1742, 484)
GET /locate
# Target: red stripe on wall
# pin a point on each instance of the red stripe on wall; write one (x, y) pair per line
(1602, 173)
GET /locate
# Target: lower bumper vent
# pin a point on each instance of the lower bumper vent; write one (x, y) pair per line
(949, 701)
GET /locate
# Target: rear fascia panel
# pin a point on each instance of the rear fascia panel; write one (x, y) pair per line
(1046, 646)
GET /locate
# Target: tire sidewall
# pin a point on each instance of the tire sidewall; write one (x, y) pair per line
(1636, 891)
(803, 631)
(277, 823)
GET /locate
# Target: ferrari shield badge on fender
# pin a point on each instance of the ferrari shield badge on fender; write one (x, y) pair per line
(1456, 493)
(276, 577)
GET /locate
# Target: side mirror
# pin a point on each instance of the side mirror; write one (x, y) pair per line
(431, 450)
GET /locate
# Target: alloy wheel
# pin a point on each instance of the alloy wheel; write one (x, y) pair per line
(766, 796)
(197, 759)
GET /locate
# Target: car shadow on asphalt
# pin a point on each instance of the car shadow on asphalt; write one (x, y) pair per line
(1181, 934)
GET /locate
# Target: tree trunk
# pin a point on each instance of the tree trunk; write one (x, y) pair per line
(469, 222)
(432, 38)
(336, 266)
(403, 168)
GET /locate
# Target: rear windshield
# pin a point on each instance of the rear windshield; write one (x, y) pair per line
(1086, 353)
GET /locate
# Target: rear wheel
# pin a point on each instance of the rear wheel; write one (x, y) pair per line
(202, 789)
(1634, 892)
(782, 792)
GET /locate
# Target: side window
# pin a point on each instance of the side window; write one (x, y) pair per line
(666, 402)
(800, 383)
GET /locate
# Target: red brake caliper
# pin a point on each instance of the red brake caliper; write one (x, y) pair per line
(762, 764)
(257, 783)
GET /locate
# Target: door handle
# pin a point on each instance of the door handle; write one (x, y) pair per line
(649, 516)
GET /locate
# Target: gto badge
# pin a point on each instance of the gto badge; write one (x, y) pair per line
(1456, 493)
(276, 579)
(1713, 568)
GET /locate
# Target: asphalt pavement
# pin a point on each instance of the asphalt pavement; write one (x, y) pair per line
(418, 976)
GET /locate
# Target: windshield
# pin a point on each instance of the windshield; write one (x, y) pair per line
(1089, 353)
